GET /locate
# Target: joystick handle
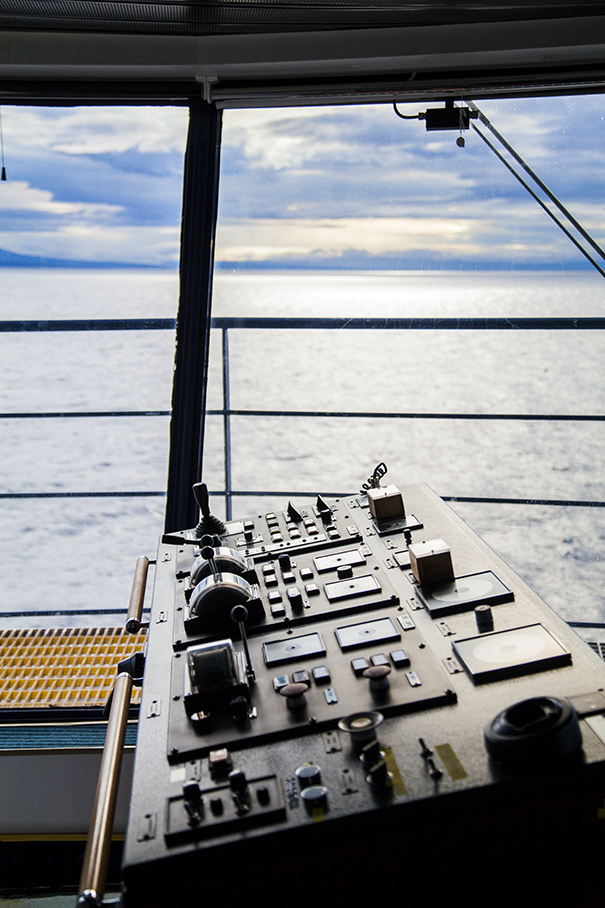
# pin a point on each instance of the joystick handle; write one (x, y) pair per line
(208, 523)
(200, 493)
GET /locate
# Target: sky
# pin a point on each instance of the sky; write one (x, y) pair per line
(351, 187)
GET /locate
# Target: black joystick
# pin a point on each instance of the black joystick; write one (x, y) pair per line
(208, 522)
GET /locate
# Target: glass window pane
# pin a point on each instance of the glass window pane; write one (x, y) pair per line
(353, 213)
(89, 230)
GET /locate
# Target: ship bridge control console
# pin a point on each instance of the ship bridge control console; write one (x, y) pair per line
(353, 691)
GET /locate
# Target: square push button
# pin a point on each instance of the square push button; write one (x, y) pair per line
(321, 675)
(400, 658)
(379, 659)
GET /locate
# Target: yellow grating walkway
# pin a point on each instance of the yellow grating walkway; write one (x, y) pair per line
(71, 667)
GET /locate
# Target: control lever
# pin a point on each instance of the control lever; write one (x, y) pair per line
(240, 792)
(208, 553)
(294, 514)
(208, 522)
(325, 511)
(239, 614)
(193, 803)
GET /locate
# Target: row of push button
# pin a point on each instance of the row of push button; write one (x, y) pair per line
(293, 531)
(310, 528)
(321, 675)
(294, 595)
(270, 575)
(399, 658)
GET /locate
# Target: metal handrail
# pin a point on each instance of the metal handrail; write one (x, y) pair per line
(556, 323)
(225, 324)
(137, 595)
(96, 857)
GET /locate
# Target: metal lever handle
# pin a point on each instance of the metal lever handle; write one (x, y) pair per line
(137, 595)
(96, 856)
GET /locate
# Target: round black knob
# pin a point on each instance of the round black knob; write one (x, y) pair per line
(484, 618)
(294, 695)
(378, 774)
(315, 796)
(239, 614)
(378, 676)
(371, 753)
(308, 775)
(239, 708)
(344, 571)
(538, 730)
(284, 562)
(295, 599)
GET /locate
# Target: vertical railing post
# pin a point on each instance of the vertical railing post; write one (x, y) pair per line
(227, 424)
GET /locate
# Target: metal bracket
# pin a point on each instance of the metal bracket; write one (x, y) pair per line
(134, 666)
(206, 83)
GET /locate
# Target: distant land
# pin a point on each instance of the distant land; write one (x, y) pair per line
(399, 263)
(417, 261)
(14, 260)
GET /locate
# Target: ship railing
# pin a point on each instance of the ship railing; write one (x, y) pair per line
(227, 324)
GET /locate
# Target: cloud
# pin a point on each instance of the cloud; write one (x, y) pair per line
(94, 130)
(319, 183)
(479, 237)
(334, 181)
(20, 196)
(273, 238)
(88, 243)
(93, 184)
(297, 137)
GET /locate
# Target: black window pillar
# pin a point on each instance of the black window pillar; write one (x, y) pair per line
(198, 226)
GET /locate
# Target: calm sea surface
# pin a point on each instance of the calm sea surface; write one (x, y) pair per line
(78, 553)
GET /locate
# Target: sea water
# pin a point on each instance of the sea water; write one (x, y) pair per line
(77, 553)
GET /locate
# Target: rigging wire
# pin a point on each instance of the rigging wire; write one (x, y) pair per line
(553, 198)
(543, 205)
(542, 185)
(531, 173)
